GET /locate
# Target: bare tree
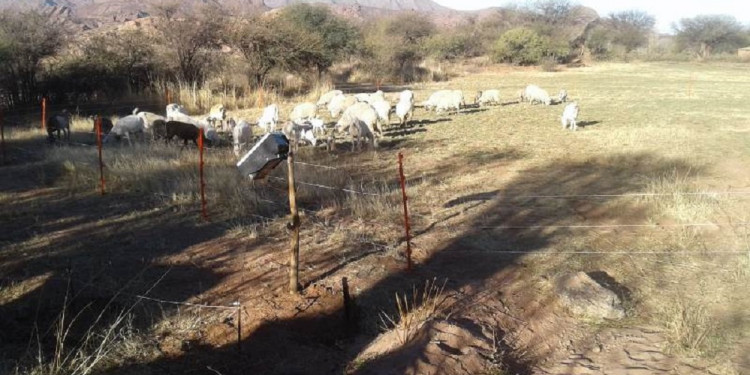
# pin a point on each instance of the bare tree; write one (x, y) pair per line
(631, 28)
(706, 33)
(192, 41)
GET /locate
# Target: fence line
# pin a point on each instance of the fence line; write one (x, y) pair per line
(316, 165)
(330, 187)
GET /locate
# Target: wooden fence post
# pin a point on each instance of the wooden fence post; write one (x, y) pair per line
(407, 226)
(44, 112)
(99, 146)
(204, 214)
(293, 226)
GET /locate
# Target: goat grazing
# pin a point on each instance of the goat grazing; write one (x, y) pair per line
(59, 122)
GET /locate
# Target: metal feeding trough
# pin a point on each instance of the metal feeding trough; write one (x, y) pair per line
(268, 152)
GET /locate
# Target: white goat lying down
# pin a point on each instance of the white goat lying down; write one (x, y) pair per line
(570, 116)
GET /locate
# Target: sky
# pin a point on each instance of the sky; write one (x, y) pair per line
(666, 12)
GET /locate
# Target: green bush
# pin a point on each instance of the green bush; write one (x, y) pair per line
(523, 46)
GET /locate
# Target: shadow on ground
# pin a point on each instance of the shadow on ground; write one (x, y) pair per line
(479, 249)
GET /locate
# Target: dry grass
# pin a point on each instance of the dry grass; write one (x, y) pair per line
(667, 129)
(413, 313)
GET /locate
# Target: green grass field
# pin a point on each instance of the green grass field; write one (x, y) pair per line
(480, 184)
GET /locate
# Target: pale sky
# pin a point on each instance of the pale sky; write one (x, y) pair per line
(666, 12)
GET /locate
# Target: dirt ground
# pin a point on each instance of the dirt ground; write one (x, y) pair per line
(502, 201)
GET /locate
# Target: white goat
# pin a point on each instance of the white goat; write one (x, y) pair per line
(270, 117)
(299, 132)
(364, 113)
(326, 98)
(488, 97)
(562, 97)
(570, 116)
(126, 126)
(242, 135)
(303, 111)
(318, 126)
(445, 100)
(340, 103)
(175, 110)
(217, 113)
(149, 118)
(383, 109)
(535, 94)
(405, 107)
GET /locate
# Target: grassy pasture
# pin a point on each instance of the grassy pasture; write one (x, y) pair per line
(663, 130)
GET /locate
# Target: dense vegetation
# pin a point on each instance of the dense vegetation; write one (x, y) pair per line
(212, 50)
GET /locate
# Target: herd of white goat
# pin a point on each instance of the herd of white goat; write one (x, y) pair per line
(363, 117)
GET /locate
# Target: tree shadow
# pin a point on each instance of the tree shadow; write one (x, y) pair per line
(485, 244)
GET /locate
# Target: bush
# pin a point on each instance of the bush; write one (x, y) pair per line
(451, 46)
(523, 46)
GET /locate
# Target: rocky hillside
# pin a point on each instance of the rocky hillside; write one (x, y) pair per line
(108, 11)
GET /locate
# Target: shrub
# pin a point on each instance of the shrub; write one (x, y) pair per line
(523, 46)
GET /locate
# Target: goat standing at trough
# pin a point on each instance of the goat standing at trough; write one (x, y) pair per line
(270, 117)
(570, 116)
(59, 122)
(304, 111)
(242, 136)
(299, 132)
(340, 103)
(488, 97)
(127, 126)
(326, 98)
(535, 94)
(405, 107)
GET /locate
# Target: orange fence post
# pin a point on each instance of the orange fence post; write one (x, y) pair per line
(2, 134)
(44, 112)
(202, 183)
(99, 146)
(407, 226)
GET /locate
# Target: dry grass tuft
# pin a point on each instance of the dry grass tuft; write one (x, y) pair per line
(412, 314)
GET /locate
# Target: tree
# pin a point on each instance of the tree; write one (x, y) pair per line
(28, 38)
(127, 54)
(522, 46)
(551, 12)
(630, 28)
(275, 44)
(192, 41)
(397, 46)
(708, 33)
(338, 37)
